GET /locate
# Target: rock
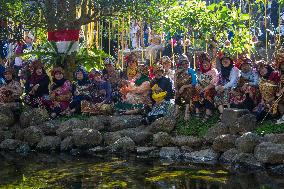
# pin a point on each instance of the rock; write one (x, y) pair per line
(228, 156)
(161, 139)
(66, 128)
(49, 127)
(190, 141)
(111, 137)
(170, 153)
(86, 138)
(10, 144)
(19, 134)
(5, 135)
(186, 149)
(32, 135)
(224, 142)
(32, 117)
(145, 150)
(203, 156)
(96, 123)
(279, 169)
(96, 150)
(247, 142)
(217, 130)
(7, 117)
(245, 162)
(244, 124)
(75, 152)
(230, 116)
(138, 135)
(124, 144)
(49, 143)
(23, 149)
(117, 123)
(274, 138)
(164, 124)
(67, 144)
(270, 153)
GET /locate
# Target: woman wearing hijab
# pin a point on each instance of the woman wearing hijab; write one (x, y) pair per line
(185, 81)
(11, 90)
(113, 77)
(161, 93)
(268, 86)
(207, 78)
(101, 95)
(135, 94)
(80, 91)
(246, 94)
(228, 80)
(60, 92)
(36, 86)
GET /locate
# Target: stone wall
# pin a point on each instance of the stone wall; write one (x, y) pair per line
(230, 142)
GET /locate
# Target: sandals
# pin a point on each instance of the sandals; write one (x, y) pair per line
(220, 117)
(197, 115)
(206, 118)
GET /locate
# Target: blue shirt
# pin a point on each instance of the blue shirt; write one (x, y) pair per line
(193, 74)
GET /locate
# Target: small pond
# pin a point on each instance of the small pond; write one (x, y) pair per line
(64, 171)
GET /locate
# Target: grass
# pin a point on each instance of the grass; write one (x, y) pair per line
(195, 126)
(269, 127)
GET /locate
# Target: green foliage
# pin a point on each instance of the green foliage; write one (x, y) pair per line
(91, 58)
(269, 127)
(203, 22)
(195, 126)
(47, 52)
(19, 15)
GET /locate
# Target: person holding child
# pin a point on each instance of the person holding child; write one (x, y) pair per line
(60, 92)
(207, 77)
(11, 90)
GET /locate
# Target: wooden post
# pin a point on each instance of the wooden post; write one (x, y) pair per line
(109, 36)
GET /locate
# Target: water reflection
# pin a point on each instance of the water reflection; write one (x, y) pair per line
(63, 171)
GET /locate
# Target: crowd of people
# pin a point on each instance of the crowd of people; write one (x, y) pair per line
(167, 88)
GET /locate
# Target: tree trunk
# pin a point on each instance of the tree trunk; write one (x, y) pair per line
(70, 66)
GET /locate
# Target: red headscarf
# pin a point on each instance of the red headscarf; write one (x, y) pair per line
(204, 57)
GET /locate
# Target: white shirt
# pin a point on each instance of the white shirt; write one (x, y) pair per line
(18, 61)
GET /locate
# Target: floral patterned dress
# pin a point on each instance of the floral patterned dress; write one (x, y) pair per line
(61, 97)
(101, 99)
(223, 98)
(10, 92)
(131, 97)
(204, 80)
(183, 77)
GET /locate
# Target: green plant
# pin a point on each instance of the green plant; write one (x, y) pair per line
(203, 22)
(269, 127)
(195, 127)
(91, 58)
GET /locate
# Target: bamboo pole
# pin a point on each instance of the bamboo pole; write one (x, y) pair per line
(129, 23)
(97, 34)
(118, 43)
(206, 44)
(184, 38)
(151, 60)
(265, 25)
(194, 58)
(172, 43)
(101, 36)
(279, 25)
(250, 41)
(109, 37)
(122, 42)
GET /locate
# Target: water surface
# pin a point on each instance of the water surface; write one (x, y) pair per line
(64, 171)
